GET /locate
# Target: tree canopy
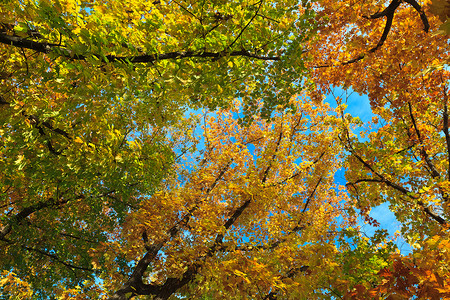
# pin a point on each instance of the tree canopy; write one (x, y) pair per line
(184, 149)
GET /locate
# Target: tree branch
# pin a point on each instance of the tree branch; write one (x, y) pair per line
(382, 179)
(447, 136)
(25, 212)
(311, 195)
(389, 10)
(425, 208)
(418, 8)
(298, 173)
(38, 124)
(266, 172)
(171, 285)
(291, 273)
(53, 257)
(389, 14)
(147, 58)
(245, 27)
(57, 259)
(163, 291)
(433, 171)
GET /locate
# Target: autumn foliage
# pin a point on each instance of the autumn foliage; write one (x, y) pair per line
(187, 149)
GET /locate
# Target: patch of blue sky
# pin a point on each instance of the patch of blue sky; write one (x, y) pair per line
(387, 221)
(357, 105)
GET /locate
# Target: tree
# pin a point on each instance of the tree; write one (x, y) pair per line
(402, 156)
(255, 217)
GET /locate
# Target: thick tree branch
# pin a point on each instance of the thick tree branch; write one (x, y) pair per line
(389, 14)
(163, 291)
(25, 212)
(389, 10)
(26, 43)
(423, 17)
(311, 195)
(147, 58)
(171, 285)
(432, 214)
(447, 137)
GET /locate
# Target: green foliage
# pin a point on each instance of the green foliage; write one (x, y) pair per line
(363, 257)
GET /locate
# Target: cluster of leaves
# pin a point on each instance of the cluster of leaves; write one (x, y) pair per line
(107, 189)
(416, 275)
(197, 53)
(441, 8)
(363, 257)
